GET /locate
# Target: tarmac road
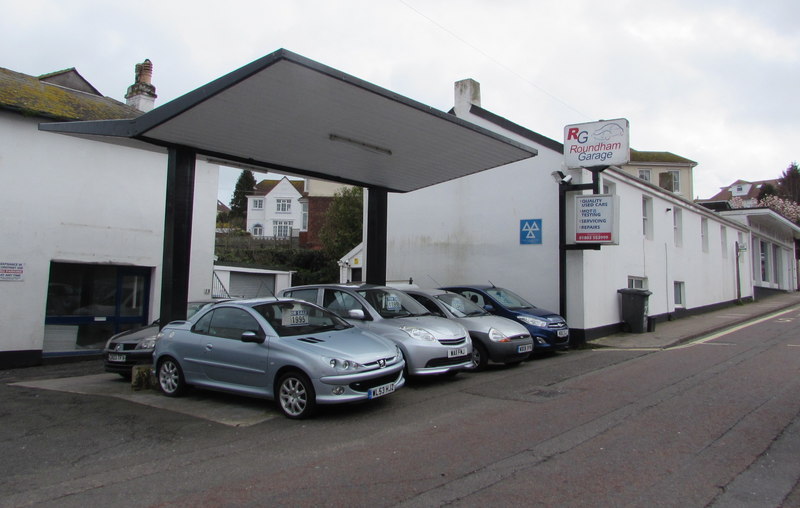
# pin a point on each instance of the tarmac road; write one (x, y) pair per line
(708, 423)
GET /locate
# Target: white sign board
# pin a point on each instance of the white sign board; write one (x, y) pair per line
(605, 143)
(596, 218)
(10, 271)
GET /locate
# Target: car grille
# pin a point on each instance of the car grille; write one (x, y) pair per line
(363, 386)
(123, 347)
(377, 364)
(453, 342)
(556, 325)
(444, 362)
(520, 337)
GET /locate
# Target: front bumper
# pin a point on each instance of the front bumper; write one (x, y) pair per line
(132, 358)
(356, 386)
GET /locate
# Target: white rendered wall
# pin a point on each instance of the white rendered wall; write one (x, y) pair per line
(468, 230)
(74, 200)
(708, 277)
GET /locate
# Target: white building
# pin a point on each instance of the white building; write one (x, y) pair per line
(83, 223)
(277, 210)
(471, 230)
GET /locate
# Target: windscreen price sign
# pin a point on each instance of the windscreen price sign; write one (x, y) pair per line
(596, 218)
(605, 143)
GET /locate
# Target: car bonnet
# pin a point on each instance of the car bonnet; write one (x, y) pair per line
(441, 328)
(354, 343)
(483, 323)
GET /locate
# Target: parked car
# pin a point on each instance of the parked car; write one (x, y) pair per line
(286, 350)
(549, 330)
(134, 347)
(431, 345)
(494, 338)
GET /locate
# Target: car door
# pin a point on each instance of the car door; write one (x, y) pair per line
(341, 303)
(227, 359)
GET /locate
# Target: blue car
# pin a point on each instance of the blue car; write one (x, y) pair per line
(549, 330)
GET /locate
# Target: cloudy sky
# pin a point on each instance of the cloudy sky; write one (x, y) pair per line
(716, 81)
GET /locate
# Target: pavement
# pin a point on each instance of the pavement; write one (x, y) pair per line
(672, 333)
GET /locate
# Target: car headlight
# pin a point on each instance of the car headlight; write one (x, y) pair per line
(418, 333)
(497, 336)
(541, 323)
(340, 364)
(147, 343)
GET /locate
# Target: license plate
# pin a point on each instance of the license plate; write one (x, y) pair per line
(462, 351)
(116, 358)
(563, 333)
(379, 391)
(525, 348)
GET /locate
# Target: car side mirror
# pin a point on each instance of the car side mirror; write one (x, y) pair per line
(252, 337)
(488, 308)
(356, 314)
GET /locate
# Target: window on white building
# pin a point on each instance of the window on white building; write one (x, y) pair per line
(704, 233)
(258, 230)
(670, 180)
(723, 240)
(637, 282)
(776, 264)
(647, 217)
(677, 226)
(283, 205)
(305, 215)
(644, 174)
(680, 296)
(282, 228)
(258, 204)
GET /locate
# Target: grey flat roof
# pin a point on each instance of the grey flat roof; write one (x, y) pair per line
(286, 113)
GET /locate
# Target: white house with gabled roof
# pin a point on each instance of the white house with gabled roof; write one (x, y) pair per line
(473, 230)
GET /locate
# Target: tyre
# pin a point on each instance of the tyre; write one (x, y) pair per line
(295, 395)
(170, 378)
(480, 357)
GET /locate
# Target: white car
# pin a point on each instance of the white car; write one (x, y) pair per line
(430, 344)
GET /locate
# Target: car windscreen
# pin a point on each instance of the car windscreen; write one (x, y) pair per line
(509, 299)
(391, 303)
(290, 318)
(460, 306)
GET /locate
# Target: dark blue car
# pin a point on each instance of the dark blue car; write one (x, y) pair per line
(549, 330)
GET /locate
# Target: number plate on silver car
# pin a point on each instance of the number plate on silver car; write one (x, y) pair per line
(116, 358)
(525, 348)
(379, 391)
(457, 352)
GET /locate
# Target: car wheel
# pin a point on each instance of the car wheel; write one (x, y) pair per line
(296, 397)
(480, 357)
(170, 378)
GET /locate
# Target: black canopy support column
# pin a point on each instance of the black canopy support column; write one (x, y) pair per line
(177, 234)
(377, 206)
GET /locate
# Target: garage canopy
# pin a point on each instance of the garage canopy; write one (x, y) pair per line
(290, 114)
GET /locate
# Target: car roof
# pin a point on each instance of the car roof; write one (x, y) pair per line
(252, 302)
(472, 286)
(427, 291)
(357, 285)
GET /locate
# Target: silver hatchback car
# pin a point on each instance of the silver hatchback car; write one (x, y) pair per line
(494, 338)
(288, 350)
(430, 344)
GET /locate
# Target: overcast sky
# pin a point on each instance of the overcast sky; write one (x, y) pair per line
(715, 81)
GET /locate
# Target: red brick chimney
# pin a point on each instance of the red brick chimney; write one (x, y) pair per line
(142, 94)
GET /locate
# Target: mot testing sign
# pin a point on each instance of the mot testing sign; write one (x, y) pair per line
(596, 218)
(604, 143)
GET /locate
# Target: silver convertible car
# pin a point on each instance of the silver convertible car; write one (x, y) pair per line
(288, 350)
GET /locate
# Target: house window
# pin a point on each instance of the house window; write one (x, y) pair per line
(644, 174)
(637, 282)
(282, 228)
(677, 226)
(704, 233)
(723, 236)
(258, 204)
(776, 264)
(647, 218)
(283, 205)
(680, 296)
(305, 215)
(258, 230)
(670, 180)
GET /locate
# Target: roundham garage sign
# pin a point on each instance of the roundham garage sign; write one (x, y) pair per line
(604, 143)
